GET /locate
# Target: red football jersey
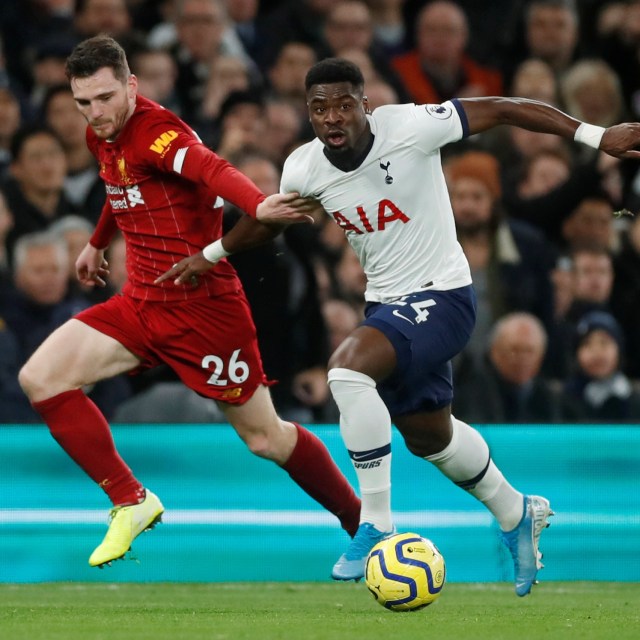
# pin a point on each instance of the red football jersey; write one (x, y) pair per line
(163, 214)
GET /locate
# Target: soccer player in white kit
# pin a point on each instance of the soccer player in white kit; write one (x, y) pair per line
(379, 176)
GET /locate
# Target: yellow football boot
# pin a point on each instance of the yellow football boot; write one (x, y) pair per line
(126, 524)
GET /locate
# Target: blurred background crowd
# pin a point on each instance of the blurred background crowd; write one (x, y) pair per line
(548, 226)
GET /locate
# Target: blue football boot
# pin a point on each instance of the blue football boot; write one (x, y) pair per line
(523, 541)
(350, 565)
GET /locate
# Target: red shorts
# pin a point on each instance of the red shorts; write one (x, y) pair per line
(210, 343)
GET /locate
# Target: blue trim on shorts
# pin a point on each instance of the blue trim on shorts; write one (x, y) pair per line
(427, 329)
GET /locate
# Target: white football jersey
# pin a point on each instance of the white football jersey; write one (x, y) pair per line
(394, 208)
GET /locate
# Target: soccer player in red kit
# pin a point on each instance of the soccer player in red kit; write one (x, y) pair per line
(164, 192)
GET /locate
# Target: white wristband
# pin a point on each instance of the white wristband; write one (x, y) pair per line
(589, 134)
(215, 251)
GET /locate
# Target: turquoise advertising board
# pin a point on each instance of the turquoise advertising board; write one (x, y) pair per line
(233, 517)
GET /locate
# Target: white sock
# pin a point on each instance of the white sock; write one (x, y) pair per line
(365, 426)
(467, 462)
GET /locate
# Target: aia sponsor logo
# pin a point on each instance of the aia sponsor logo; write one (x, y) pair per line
(387, 213)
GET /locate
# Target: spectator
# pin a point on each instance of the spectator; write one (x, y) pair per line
(510, 260)
(341, 319)
(551, 32)
(534, 79)
(14, 406)
(228, 74)
(380, 93)
(599, 386)
(283, 130)
(38, 303)
(48, 67)
(82, 186)
(242, 124)
(591, 92)
(552, 199)
(293, 21)
(545, 171)
(157, 74)
(591, 223)
(112, 17)
(41, 302)
(165, 32)
(349, 26)
(286, 75)
(200, 27)
(243, 15)
(25, 25)
(592, 280)
(515, 148)
(619, 45)
(591, 290)
(6, 223)
(10, 120)
(389, 25)
(512, 389)
(625, 298)
(438, 69)
(350, 280)
(35, 190)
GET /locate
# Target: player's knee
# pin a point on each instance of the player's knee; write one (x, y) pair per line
(426, 440)
(40, 382)
(419, 446)
(261, 445)
(347, 380)
(29, 380)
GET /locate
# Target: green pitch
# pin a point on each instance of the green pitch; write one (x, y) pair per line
(313, 611)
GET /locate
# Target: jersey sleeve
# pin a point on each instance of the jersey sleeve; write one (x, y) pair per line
(171, 146)
(201, 165)
(439, 124)
(163, 143)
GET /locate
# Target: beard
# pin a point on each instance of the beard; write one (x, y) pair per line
(473, 229)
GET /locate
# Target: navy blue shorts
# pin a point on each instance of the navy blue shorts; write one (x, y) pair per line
(427, 329)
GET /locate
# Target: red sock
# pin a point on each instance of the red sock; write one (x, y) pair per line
(81, 430)
(313, 469)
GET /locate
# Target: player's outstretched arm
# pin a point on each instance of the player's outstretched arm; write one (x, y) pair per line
(274, 214)
(620, 141)
(245, 234)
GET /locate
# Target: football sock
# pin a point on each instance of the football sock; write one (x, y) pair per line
(365, 426)
(82, 431)
(467, 462)
(311, 466)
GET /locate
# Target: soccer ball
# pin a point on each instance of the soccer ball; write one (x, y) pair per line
(405, 572)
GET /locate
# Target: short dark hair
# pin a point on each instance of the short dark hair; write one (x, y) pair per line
(95, 53)
(50, 94)
(332, 70)
(28, 131)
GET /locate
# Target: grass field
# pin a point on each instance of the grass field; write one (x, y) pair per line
(313, 611)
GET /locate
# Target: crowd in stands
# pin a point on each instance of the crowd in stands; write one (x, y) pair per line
(547, 225)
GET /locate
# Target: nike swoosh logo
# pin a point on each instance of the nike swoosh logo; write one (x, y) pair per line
(355, 456)
(399, 315)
